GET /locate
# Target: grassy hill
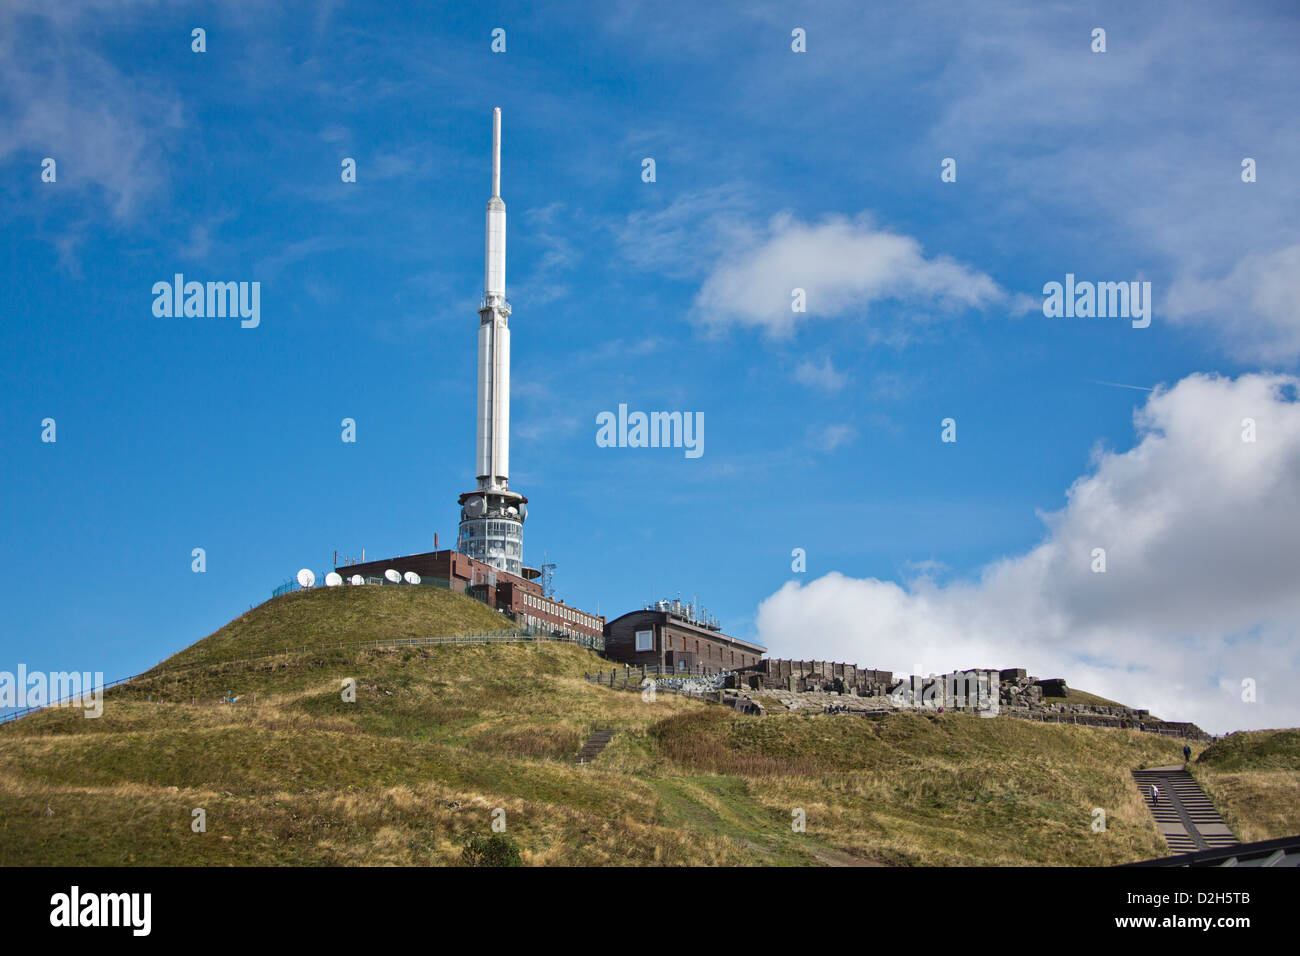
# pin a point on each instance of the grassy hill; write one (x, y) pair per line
(440, 737)
(1073, 696)
(344, 614)
(1254, 779)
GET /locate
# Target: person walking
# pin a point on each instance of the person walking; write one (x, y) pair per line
(1187, 753)
(1155, 795)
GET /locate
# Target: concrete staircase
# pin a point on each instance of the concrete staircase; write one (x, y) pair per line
(1185, 815)
(594, 745)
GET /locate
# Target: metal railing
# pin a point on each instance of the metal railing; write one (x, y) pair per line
(62, 701)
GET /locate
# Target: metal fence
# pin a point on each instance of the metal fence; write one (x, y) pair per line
(24, 711)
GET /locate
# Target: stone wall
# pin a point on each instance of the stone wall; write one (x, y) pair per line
(814, 676)
(832, 687)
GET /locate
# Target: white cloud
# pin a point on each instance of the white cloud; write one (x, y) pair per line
(832, 437)
(1202, 539)
(1160, 114)
(60, 97)
(822, 375)
(843, 266)
(1255, 309)
(680, 239)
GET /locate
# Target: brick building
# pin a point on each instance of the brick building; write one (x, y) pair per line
(520, 598)
(669, 639)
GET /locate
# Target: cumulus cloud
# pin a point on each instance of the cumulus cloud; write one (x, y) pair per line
(843, 266)
(1202, 538)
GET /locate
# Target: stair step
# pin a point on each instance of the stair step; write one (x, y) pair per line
(594, 745)
(1186, 815)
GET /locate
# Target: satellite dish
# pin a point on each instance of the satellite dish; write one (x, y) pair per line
(333, 579)
(306, 578)
(411, 577)
(475, 507)
(358, 579)
(393, 576)
(512, 512)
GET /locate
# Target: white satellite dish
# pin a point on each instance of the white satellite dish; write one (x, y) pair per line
(333, 579)
(306, 578)
(411, 577)
(393, 576)
(357, 579)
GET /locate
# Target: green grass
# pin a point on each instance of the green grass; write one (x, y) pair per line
(1253, 750)
(441, 737)
(1254, 780)
(1073, 696)
(346, 614)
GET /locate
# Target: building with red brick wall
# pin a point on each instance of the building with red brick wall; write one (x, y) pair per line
(657, 636)
(522, 599)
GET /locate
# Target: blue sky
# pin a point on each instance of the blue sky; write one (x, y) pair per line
(774, 169)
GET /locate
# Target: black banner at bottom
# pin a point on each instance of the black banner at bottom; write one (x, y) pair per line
(306, 905)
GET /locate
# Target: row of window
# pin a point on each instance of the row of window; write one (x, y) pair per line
(543, 625)
(563, 612)
(478, 547)
(492, 529)
(508, 563)
(645, 642)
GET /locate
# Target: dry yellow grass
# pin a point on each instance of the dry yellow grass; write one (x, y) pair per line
(1254, 780)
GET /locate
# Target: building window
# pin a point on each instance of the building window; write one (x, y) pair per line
(645, 640)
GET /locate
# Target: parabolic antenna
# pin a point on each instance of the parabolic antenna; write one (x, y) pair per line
(393, 576)
(333, 579)
(358, 579)
(306, 578)
(411, 577)
(475, 507)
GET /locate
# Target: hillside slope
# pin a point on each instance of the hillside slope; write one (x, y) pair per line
(439, 738)
(344, 614)
(1254, 780)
